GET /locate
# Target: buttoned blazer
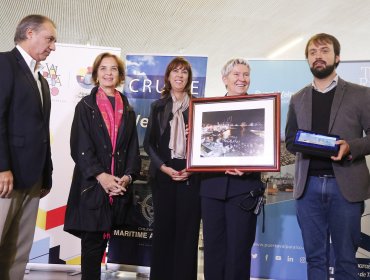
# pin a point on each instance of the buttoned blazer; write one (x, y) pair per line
(350, 119)
(24, 123)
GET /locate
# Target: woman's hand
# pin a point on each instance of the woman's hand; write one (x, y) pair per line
(175, 175)
(111, 184)
(124, 182)
(184, 175)
(236, 172)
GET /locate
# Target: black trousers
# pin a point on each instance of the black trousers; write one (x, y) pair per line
(229, 233)
(176, 230)
(93, 246)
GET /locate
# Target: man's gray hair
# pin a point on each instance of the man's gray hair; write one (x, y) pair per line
(228, 67)
(33, 22)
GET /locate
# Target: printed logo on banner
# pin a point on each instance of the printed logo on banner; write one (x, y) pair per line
(83, 77)
(147, 208)
(50, 73)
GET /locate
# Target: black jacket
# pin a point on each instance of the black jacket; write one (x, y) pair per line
(91, 150)
(222, 186)
(155, 145)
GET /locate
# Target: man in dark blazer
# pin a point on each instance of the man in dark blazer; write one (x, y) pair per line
(25, 157)
(330, 192)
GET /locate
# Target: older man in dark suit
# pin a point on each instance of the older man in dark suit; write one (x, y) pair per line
(330, 192)
(25, 157)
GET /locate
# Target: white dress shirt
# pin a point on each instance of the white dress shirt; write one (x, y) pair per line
(332, 85)
(34, 66)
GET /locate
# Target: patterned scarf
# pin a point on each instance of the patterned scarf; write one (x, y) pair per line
(177, 143)
(112, 119)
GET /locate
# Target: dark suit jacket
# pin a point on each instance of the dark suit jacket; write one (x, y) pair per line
(350, 119)
(222, 186)
(24, 123)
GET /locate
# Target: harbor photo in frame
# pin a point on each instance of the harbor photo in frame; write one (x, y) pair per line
(238, 132)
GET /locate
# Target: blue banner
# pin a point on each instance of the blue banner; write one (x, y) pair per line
(145, 80)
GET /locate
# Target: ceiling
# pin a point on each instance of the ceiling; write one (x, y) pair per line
(219, 29)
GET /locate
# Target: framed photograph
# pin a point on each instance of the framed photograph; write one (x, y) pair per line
(241, 132)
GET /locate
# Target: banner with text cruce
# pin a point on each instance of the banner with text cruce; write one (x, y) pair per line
(145, 80)
(131, 244)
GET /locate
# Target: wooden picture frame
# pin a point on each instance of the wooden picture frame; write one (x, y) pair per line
(237, 132)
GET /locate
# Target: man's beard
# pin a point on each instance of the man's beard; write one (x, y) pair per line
(322, 73)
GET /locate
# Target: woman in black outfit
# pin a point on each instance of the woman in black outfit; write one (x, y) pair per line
(229, 223)
(104, 147)
(175, 191)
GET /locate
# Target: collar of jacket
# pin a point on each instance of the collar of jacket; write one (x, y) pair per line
(164, 101)
(90, 101)
(165, 108)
